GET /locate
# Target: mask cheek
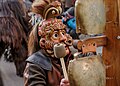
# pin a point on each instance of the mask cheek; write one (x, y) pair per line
(42, 42)
(49, 45)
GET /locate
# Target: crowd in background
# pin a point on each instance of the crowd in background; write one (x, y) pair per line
(67, 16)
(29, 19)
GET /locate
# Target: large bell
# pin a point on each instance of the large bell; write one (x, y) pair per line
(90, 16)
(87, 71)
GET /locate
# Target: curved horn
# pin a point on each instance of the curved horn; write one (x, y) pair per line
(52, 12)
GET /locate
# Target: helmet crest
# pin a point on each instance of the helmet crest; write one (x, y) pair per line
(47, 8)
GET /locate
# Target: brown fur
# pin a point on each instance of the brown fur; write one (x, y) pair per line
(33, 43)
(14, 32)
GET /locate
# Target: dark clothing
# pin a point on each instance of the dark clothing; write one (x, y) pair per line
(43, 71)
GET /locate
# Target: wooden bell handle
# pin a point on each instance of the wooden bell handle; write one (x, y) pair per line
(64, 68)
(118, 11)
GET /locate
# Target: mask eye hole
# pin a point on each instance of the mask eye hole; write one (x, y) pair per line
(55, 36)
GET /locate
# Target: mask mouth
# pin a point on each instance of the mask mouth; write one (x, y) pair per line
(69, 42)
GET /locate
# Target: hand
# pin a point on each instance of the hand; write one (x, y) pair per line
(64, 82)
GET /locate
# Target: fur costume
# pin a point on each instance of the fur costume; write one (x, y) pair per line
(13, 33)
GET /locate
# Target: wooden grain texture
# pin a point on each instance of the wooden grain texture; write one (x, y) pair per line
(111, 52)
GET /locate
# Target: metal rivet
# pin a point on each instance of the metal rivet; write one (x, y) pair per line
(118, 37)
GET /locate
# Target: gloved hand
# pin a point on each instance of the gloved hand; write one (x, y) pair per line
(64, 82)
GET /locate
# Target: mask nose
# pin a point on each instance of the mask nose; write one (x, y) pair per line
(62, 37)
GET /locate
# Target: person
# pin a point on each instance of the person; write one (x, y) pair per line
(68, 4)
(35, 18)
(43, 68)
(14, 30)
(68, 19)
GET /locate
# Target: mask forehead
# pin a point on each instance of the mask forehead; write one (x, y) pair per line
(49, 26)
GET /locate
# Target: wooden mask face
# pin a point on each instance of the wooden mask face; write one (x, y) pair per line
(53, 31)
